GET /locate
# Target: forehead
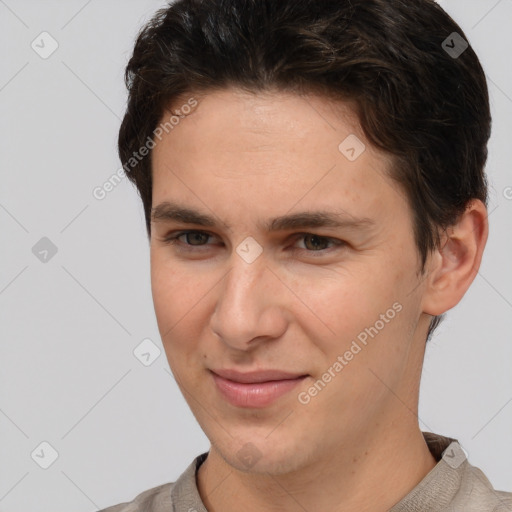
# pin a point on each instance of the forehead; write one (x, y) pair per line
(265, 120)
(270, 150)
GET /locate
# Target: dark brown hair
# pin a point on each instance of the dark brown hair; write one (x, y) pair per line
(415, 99)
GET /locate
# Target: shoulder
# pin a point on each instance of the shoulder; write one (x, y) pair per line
(157, 499)
(476, 493)
(167, 497)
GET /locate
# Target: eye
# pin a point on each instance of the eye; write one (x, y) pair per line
(188, 241)
(195, 236)
(313, 243)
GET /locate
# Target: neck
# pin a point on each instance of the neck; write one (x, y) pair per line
(371, 473)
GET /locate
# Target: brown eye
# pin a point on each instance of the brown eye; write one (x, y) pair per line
(316, 245)
(315, 242)
(196, 236)
(191, 238)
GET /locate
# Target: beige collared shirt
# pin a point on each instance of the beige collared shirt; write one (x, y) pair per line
(453, 485)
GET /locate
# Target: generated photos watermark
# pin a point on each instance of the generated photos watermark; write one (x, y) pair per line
(304, 397)
(100, 192)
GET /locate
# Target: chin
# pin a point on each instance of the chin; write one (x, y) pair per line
(259, 455)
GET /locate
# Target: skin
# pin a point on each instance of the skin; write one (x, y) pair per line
(357, 444)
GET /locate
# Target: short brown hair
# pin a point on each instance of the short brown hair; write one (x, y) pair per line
(415, 100)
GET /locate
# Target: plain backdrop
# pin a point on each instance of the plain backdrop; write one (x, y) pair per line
(75, 296)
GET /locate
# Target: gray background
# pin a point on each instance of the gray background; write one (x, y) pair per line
(68, 375)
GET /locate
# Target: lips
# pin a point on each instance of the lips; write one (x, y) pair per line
(257, 376)
(254, 389)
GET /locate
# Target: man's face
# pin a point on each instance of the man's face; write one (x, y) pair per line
(338, 304)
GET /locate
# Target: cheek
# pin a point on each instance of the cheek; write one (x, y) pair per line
(340, 304)
(171, 303)
(165, 284)
(174, 294)
(181, 301)
(371, 315)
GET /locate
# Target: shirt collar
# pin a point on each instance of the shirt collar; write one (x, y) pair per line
(438, 488)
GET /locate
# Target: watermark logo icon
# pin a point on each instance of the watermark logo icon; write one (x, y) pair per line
(455, 45)
(454, 455)
(352, 147)
(147, 352)
(44, 250)
(44, 45)
(249, 249)
(249, 455)
(44, 455)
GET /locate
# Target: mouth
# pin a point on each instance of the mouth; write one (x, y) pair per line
(254, 389)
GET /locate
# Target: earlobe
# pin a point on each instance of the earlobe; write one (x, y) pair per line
(453, 267)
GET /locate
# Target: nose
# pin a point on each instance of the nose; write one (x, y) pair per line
(250, 305)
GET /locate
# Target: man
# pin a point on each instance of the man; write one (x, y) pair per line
(312, 175)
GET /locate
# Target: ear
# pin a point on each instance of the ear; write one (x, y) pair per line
(453, 267)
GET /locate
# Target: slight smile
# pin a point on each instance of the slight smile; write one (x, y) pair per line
(255, 389)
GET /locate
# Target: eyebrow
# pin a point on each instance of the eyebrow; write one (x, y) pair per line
(168, 212)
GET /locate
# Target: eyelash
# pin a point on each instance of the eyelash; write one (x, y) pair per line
(172, 239)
